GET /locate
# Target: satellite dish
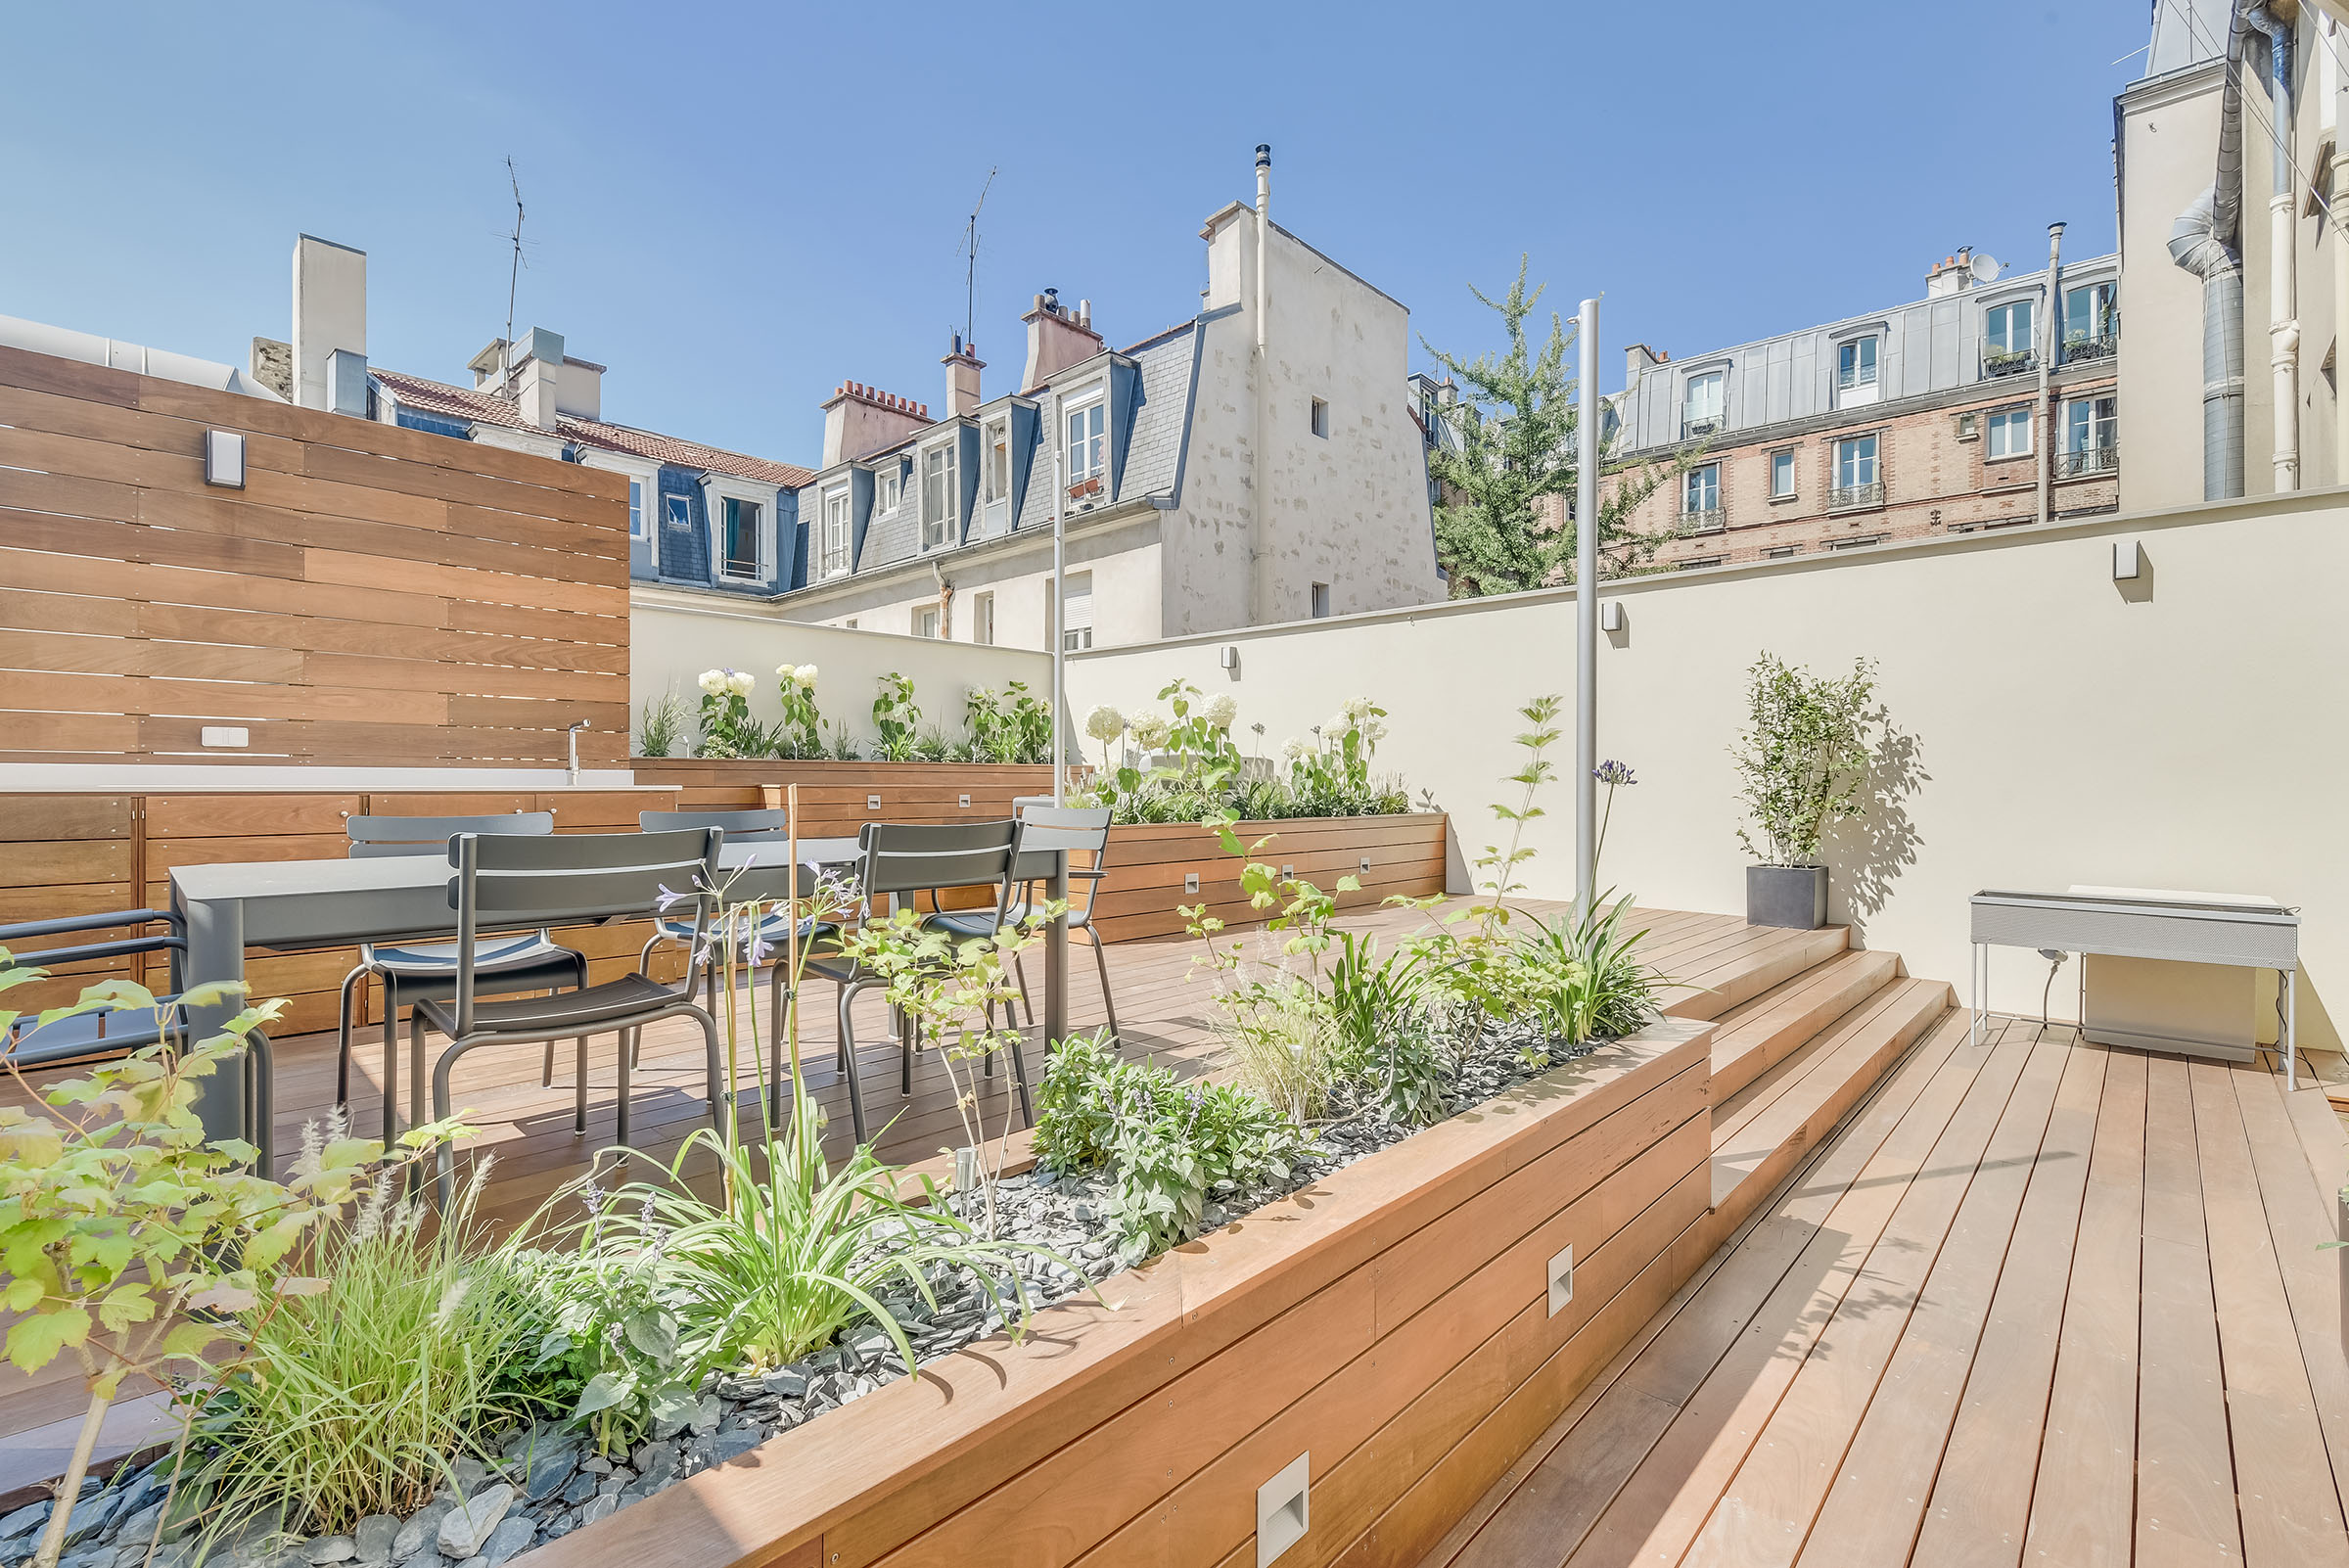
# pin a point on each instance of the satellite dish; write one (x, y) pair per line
(1985, 268)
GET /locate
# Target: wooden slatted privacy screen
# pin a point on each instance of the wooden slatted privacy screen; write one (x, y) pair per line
(372, 595)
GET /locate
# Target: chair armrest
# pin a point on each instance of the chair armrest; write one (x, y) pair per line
(50, 957)
(89, 922)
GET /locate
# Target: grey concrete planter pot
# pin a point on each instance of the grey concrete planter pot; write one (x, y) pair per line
(1790, 896)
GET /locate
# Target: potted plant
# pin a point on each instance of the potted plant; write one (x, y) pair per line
(1804, 763)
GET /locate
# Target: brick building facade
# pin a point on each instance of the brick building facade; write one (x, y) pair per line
(1910, 423)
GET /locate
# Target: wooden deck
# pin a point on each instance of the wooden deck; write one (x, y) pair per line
(2035, 1301)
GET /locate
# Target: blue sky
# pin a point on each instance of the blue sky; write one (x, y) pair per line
(736, 208)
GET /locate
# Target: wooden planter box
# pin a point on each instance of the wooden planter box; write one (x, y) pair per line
(1392, 1324)
(1148, 863)
(836, 798)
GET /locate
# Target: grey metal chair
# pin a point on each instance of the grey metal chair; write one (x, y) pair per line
(908, 858)
(1077, 831)
(410, 971)
(120, 1031)
(567, 880)
(771, 880)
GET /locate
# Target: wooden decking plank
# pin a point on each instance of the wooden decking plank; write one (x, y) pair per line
(1724, 1399)
(1758, 1035)
(1876, 1504)
(2083, 1511)
(2290, 1508)
(2299, 1206)
(1980, 1501)
(1574, 1471)
(2186, 1512)
(1766, 1512)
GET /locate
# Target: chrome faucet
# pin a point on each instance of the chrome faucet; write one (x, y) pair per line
(573, 738)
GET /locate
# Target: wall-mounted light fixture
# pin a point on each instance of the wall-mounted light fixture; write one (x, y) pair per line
(1229, 658)
(230, 735)
(872, 802)
(224, 458)
(1283, 1510)
(1610, 614)
(2127, 562)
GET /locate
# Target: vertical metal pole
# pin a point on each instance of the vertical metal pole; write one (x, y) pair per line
(1060, 609)
(1585, 609)
(2050, 342)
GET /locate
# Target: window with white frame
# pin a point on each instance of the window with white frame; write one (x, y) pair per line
(2091, 424)
(833, 559)
(2091, 317)
(1087, 429)
(679, 511)
(2006, 337)
(1077, 610)
(2009, 434)
(1701, 402)
(982, 618)
(742, 541)
(888, 484)
(940, 497)
(1702, 491)
(1319, 601)
(1855, 467)
(639, 523)
(1856, 382)
(1782, 476)
(924, 620)
(998, 467)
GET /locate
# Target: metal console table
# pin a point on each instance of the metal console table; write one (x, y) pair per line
(2123, 923)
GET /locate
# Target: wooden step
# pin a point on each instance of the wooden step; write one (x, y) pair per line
(1755, 1036)
(1736, 967)
(1762, 1129)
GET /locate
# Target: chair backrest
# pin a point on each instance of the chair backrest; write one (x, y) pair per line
(1047, 828)
(372, 837)
(736, 825)
(504, 881)
(909, 856)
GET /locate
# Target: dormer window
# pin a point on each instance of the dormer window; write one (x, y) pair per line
(2007, 339)
(1856, 382)
(887, 483)
(834, 557)
(1087, 428)
(940, 497)
(1701, 403)
(998, 460)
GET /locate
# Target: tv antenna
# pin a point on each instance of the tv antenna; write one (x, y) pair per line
(970, 253)
(512, 277)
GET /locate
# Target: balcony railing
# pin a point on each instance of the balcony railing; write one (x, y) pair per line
(2081, 350)
(1854, 497)
(1994, 363)
(1711, 520)
(1697, 429)
(2088, 460)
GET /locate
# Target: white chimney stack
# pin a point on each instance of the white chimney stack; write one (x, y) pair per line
(330, 320)
(538, 377)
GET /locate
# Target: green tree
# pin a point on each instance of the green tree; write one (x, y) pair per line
(1515, 429)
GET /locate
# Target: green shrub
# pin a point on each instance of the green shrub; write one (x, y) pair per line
(660, 727)
(1584, 980)
(1164, 1144)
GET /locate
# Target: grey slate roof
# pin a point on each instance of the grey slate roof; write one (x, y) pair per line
(1155, 448)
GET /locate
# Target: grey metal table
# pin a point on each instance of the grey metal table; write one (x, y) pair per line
(302, 905)
(2117, 924)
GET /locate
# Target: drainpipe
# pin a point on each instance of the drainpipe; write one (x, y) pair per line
(2339, 218)
(2284, 324)
(2053, 339)
(1261, 556)
(2202, 242)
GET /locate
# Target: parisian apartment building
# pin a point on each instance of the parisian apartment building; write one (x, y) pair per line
(1262, 460)
(1945, 415)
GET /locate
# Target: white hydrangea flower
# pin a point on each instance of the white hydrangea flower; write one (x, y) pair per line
(1220, 709)
(1105, 723)
(740, 683)
(805, 677)
(1373, 732)
(1357, 706)
(1295, 749)
(1149, 729)
(1335, 729)
(714, 681)
(783, 671)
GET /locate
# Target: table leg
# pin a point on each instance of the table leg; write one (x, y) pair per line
(1056, 959)
(2291, 1029)
(215, 951)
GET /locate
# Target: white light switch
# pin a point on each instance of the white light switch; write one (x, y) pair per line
(1283, 1511)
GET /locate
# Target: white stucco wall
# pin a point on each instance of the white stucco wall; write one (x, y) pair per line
(673, 637)
(2059, 731)
(2169, 144)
